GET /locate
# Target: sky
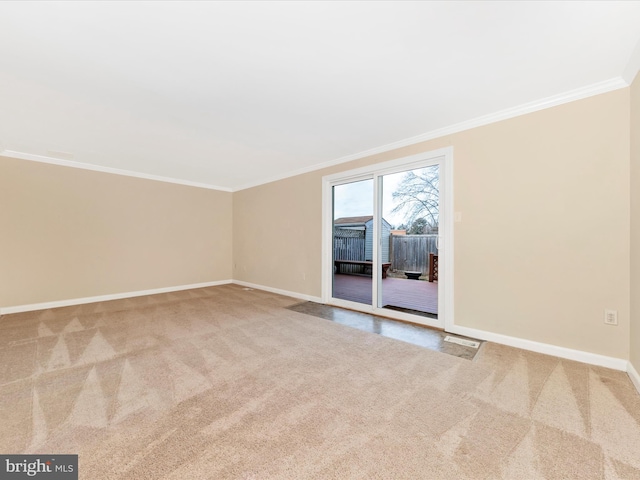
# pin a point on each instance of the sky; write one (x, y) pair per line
(356, 199)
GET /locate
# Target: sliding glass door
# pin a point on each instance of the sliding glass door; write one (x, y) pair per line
(385, 227)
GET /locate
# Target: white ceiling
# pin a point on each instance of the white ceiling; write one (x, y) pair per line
(232, 94)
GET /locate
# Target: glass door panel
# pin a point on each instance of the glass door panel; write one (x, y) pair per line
(352, 240)
(409, 241)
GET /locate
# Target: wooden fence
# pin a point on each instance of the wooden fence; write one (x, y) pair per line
(349, 248)
(411, 252)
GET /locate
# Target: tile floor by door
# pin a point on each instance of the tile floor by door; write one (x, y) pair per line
(415, 334)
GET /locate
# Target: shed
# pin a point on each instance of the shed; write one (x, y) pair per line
(366, 223)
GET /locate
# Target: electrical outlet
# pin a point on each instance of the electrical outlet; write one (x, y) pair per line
(611, 317)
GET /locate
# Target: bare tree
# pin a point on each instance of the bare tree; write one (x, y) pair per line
(417, 197)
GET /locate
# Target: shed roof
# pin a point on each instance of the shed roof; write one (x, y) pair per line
(356, 221)
(352, 220)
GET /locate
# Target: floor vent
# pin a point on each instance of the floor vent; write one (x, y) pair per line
(462, 341)
(248, 289)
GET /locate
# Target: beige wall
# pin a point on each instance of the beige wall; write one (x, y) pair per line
(635, 224)
(543, 247)
(277, 234)
(67, 233)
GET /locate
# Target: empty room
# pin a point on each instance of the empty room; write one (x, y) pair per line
(320, 240)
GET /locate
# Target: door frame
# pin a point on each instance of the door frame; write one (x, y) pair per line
(444, 156)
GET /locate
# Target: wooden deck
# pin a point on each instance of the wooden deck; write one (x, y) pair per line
(396, 292)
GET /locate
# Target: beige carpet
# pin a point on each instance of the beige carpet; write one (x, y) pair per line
(226, 383)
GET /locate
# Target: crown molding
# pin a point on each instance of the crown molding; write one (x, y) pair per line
(633, 66)
(555, 100)
(115, 171)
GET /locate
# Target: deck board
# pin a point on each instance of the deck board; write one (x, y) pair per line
(396, 292)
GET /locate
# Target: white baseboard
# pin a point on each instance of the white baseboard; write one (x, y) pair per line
(104, 298)
(301, 296)
(634, 376)
(548, 349)
(545, 348)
